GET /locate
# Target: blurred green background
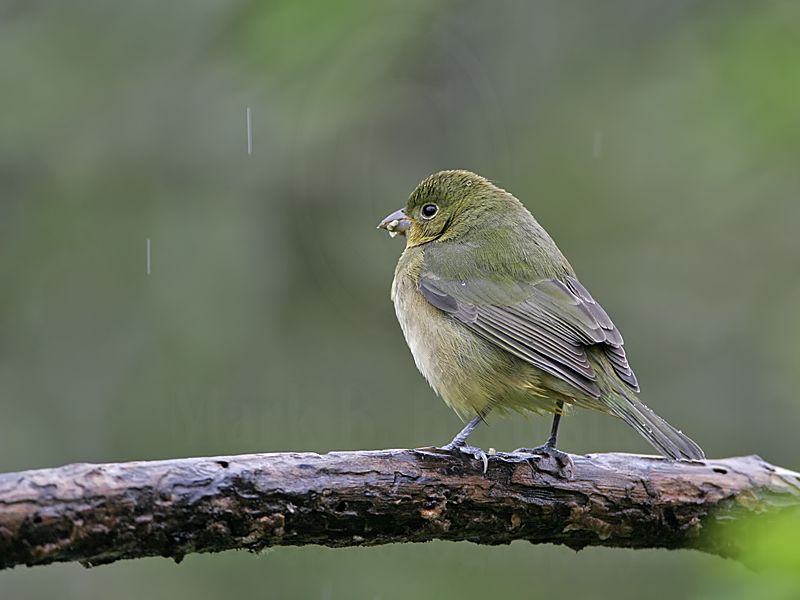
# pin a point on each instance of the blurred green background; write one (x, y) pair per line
(657, 141)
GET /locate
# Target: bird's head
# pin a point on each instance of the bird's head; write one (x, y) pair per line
(444, 205)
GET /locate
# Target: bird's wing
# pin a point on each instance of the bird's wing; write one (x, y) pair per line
(549, 323)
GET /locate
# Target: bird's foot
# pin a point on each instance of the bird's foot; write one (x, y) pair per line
(549, 459)
(471, 451)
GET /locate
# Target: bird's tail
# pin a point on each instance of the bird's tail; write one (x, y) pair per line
(664, 437)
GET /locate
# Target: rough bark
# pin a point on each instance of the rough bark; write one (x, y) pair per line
(101, 513)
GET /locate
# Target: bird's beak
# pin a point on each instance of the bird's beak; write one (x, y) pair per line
(395, 223)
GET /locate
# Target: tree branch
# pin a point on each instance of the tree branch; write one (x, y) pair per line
(98, 514)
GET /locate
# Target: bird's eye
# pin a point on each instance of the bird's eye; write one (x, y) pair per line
(428, 211)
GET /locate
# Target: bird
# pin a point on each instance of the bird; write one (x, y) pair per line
(498, 322)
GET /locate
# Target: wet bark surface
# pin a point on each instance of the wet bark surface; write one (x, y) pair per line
(101, 513)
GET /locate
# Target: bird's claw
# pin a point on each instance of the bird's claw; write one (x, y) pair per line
(550, 460)
(470, 451)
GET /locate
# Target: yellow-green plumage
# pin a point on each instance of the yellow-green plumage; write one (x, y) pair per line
(496, 318)
(468, 372)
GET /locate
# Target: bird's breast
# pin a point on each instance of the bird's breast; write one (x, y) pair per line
(450, 357)
(426, 330)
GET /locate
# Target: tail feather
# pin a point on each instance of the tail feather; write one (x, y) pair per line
(664, 437)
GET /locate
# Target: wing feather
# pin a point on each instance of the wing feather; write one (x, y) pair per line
(549, 324)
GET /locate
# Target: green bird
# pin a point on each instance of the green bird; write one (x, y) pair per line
(497, 321)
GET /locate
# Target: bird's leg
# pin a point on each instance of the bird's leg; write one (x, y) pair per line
(460, 442)
(551, 441)
(550, 444)
(461, 437)
(548, 449)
